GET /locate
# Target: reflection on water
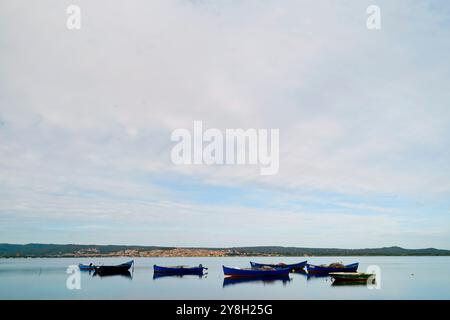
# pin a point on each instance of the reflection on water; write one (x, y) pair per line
(353, 283)
(348, 283)
(265, 280)
(123, 273)
(177, 275)
(310, 277)
(402, 278)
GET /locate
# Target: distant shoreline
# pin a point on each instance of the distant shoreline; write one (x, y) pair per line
(35, 250)
(250, 256)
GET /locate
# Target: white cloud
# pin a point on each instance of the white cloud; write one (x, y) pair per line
(360, 112)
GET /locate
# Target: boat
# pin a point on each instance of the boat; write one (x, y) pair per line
(179, 269)
(117, 269)
(354, 277)
(325, 270)
(86, 267)
(253, 272)
(292, 267)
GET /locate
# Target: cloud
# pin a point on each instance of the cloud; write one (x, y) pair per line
(86, 116)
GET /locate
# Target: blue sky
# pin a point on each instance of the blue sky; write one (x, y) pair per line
(86, 118)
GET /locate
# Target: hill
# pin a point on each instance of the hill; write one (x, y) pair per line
(77, 250)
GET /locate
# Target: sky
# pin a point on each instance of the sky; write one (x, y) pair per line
(363, 115)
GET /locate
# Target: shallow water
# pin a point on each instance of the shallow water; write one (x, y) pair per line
(400, 278)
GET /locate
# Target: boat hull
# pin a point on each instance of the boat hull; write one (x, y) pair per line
(292, 267)
(320, 270)
(111, 270)
(178, 270)
(235, 272)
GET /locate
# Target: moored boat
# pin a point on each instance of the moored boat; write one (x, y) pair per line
(179, 269)
(252, 272)
(324, 269)
(117, 269)
(353, 277)
(292, 267)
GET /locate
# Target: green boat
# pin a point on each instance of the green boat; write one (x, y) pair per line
(358, 277)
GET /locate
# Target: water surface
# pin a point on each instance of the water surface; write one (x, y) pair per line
(401, 278)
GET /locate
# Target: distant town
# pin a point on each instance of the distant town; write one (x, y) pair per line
(35, 250)
(176, 252)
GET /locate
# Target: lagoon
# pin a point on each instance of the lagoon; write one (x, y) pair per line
(45, 278)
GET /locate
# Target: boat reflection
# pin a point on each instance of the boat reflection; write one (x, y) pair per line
(312, 277)
(300, 271)
(265, 280)
(348, 283)
(309, 276)
(121, 273)
(177, 275)
(353, 283)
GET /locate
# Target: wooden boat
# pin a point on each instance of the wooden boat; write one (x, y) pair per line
(86, 267)
(324, 270)
(292, 267)
(179, 269)
(352, 277)
(118, 269)
(252, 272)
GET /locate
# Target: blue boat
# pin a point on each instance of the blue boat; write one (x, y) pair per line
(86, 267)
(292, 267)
(324, 270)
(261, 272)
(179, 270)
(111, 270)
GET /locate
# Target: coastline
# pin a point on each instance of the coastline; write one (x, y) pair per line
(96, 251)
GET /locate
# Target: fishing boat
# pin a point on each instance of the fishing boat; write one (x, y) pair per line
(252, 272)
(324, 269)
(292, 267)
(86, 267)
(179, 269)
(117, 269)
(357, 277)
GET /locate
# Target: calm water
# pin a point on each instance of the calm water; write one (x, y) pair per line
(401, 278)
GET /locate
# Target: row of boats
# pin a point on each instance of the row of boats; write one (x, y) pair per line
(338, 271)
